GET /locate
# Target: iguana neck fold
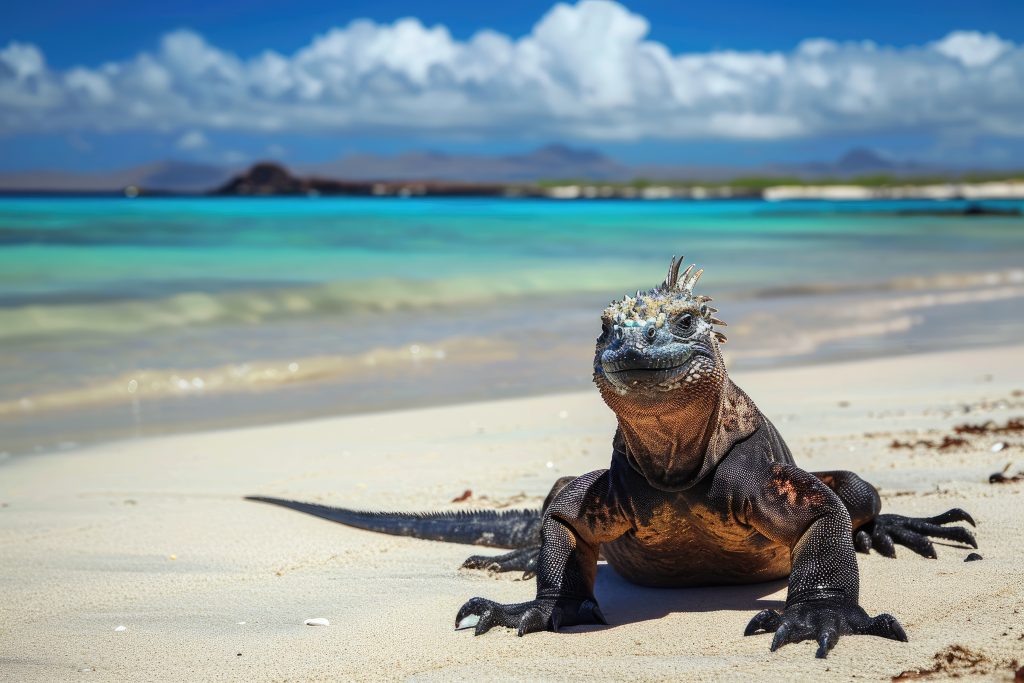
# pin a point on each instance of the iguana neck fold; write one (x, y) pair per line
(675, 449)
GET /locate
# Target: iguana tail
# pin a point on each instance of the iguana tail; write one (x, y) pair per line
(494, 528)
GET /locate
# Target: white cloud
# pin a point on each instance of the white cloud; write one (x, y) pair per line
(192, 140)
(973, 48)
(584, 71)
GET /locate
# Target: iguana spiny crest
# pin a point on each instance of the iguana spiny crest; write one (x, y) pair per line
(670, 301)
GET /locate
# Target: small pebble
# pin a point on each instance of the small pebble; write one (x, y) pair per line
(121, 628)
(172, 557)
(319, 621)
(973, 557)
(998, 446)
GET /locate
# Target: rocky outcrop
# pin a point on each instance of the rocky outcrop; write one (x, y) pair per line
(269, 179)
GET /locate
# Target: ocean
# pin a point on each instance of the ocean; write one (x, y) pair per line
(122, 318)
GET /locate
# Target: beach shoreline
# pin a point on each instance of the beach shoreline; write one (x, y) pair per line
(152, 534)
(391, 361)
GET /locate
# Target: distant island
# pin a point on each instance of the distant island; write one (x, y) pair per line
(266, 179)
(552, 171)
(269, 179)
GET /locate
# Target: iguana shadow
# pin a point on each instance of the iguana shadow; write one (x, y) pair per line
(626, 603)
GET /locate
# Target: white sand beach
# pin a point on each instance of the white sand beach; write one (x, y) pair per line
(153, 535)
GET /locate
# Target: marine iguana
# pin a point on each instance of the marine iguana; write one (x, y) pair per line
(701, 490)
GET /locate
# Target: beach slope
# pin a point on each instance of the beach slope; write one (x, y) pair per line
(153, 535)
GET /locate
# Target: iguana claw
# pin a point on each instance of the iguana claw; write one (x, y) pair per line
(522, 559)
(823, 621)
(542, 614)
(883, 532)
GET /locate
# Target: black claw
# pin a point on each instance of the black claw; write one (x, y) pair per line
(915, 541)
(766, 620)
(882, 542)
(961, 535)
(824, 621)
(781, 637)
(885, 626)
(532, 620)
(529, 617)
(862, 541)
(954, 515)
(522, 559)
(471, 607)
(951, 533)
(826, 641)
(914, 532)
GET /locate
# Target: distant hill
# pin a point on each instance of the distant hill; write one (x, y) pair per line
(163, 176)
(551, 161)
(859, 161)
(559, 162)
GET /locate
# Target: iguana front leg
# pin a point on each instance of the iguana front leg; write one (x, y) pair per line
(795, 508)
(582, 516)
(881, 532)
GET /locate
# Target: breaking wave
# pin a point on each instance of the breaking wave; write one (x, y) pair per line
(153, 384)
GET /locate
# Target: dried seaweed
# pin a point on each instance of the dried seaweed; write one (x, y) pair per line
(958, 660)
(947, 443)
(1013, 426)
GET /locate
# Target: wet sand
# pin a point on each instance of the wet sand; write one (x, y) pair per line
(152, 535)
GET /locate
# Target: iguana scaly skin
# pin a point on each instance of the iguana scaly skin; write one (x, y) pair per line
(701, 490)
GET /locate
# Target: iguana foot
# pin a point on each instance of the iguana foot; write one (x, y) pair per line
(520, 560)
(542, 614)
(823, 621)
(882, 532)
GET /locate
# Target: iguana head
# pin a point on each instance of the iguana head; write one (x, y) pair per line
(658, 366)
(660, 342)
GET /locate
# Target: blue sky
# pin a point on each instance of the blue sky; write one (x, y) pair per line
(111, 83)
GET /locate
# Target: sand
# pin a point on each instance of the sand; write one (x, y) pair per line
(153, 535)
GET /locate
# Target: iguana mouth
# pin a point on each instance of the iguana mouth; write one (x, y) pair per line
(637, 371)
(644, 365)
(647, 373)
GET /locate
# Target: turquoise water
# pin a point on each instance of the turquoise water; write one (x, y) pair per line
(374, 299)
(105, 249)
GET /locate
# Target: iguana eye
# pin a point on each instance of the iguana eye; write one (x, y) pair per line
(685, 322)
